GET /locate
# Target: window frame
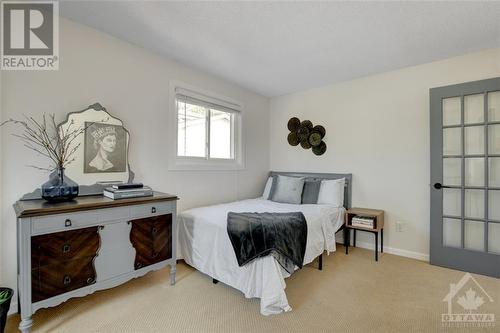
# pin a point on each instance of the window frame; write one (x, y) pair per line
(177, 162)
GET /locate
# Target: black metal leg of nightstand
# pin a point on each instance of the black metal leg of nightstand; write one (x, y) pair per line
(346, 240)
(354, 240)
(320, 264)
(376, 246)
(382, 241)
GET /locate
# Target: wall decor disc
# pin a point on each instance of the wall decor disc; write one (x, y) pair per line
(320, 129)
(293, 124)
(315, 139)
(293, 139)
(320, 149)
(305, 144)
(307, 123)
(303, 133)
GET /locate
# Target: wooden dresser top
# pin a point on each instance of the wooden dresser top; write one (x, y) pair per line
(41, 207)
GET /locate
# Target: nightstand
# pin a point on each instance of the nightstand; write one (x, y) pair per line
(378, 227)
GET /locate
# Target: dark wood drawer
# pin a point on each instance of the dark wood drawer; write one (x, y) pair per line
(52, 280)
(152, 239)
(51, 249)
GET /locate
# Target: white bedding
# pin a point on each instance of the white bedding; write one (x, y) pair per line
(204, 244)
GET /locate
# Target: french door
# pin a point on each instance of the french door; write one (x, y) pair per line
(465, 176)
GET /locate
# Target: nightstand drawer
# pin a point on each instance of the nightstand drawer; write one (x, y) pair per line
(46, 224)
(152, 209)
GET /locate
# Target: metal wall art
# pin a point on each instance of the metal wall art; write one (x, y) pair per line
(307, 135)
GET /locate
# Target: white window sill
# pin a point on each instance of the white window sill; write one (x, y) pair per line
(181, 164)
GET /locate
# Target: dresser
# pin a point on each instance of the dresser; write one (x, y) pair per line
(75, 248)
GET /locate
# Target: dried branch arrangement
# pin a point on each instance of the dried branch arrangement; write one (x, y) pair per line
(47, 139)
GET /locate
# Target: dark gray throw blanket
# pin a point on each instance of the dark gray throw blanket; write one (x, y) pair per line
(282, 235)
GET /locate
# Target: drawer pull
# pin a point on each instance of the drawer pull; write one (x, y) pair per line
(154, 254)
(154, 231)
(90, 280)
(153, 210)
(66, 248)
(138, 265)
(67, 223)
(67, 280)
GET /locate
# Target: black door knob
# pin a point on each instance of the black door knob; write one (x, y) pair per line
(438, 186)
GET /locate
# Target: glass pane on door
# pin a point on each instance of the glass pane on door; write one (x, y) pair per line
(474, 140)
(474, 171)
(494, 237)
(452, 114)
(494, 171)
(494, 205)
(494, 139)
(474, 204)
(452, 141)
(452, 202)
(494, 106)
(452, 232)
(474, 109)
(452, 171)
(474, 235)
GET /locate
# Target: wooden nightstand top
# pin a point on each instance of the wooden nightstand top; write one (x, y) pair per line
(376, 213)
(365, 211)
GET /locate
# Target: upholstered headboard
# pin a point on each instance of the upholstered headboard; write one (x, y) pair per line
(321, 176)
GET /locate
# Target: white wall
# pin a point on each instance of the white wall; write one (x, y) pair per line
(133, 84)
(1, 179)
(378, 130)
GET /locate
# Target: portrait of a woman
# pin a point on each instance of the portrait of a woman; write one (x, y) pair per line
(105, 149)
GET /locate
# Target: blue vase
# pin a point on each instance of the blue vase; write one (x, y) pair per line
(59, 188)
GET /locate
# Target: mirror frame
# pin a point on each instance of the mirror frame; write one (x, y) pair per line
(98, 187)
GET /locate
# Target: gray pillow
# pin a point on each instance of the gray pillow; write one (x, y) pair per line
(288, 190)
(311, 191)
(273, 188)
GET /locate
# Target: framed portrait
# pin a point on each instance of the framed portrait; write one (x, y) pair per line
(101, 153)
(104, 149)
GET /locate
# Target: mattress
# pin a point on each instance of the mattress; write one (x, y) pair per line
(205, 245)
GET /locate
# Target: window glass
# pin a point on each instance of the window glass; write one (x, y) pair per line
(221, 134)
(204, 131)
(191, 130)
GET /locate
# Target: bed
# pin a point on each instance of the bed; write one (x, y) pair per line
(204, 243)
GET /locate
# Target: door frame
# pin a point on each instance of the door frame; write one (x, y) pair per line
(456, 258)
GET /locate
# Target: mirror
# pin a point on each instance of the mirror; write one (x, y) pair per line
(101, 154)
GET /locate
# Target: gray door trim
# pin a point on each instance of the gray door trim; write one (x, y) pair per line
(462, 259)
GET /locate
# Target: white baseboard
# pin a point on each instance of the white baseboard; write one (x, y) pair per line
(395, 251)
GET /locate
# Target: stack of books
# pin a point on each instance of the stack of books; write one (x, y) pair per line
(129, 190)
(363, 222)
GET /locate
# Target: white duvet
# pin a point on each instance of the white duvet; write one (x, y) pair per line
(205, 245)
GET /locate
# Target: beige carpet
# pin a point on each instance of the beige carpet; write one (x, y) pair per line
(352, 294)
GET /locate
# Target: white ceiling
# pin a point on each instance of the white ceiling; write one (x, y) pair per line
(275, 48)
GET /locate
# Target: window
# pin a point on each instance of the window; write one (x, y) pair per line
(207, 131)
